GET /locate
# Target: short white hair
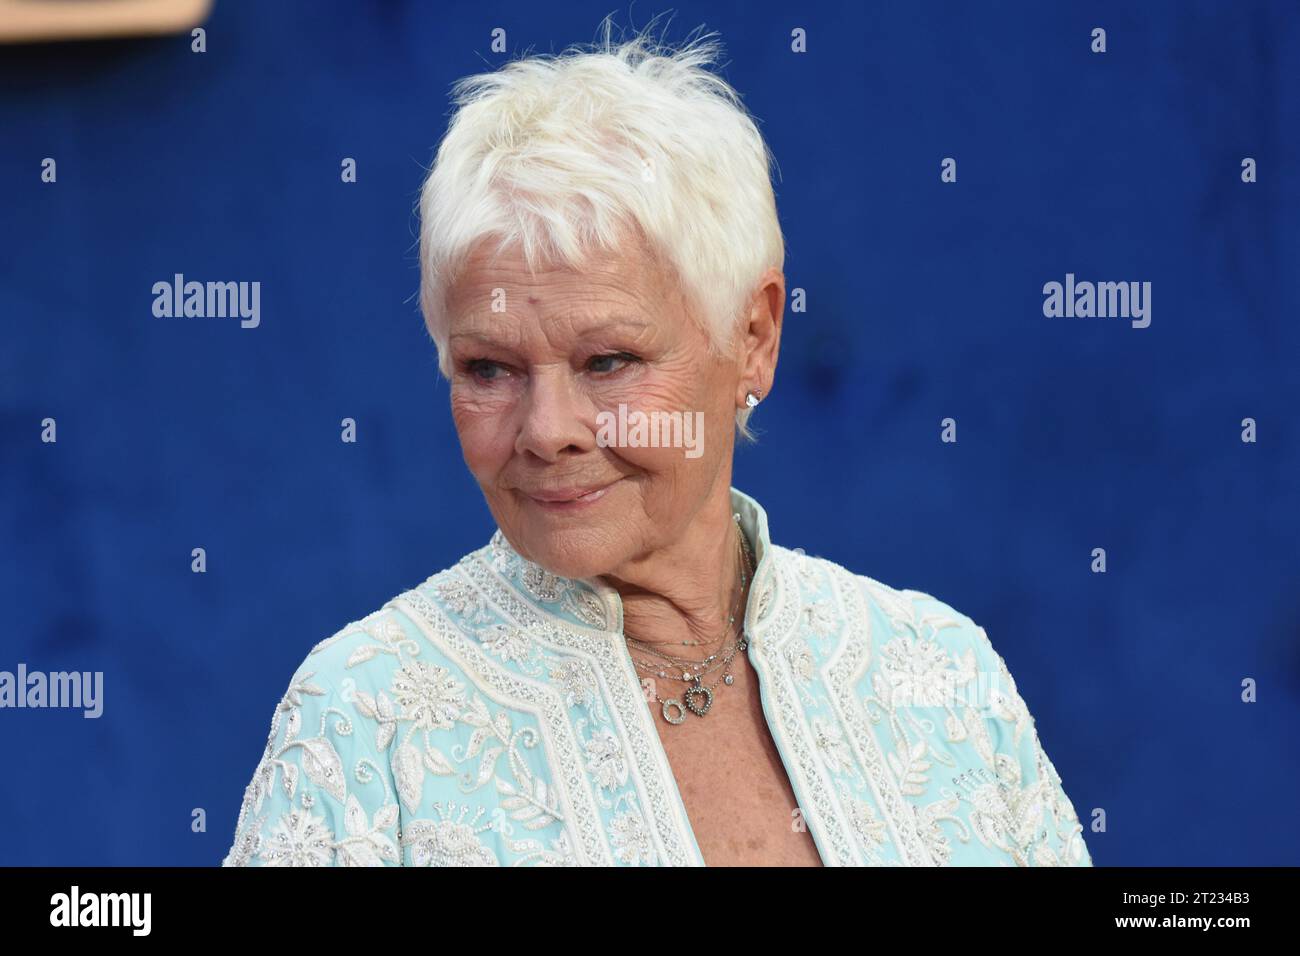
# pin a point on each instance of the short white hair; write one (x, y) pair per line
(557, 154)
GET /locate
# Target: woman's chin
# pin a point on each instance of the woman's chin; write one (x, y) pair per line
(568, 554)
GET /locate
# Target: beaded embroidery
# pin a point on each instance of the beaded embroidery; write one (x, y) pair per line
(492, 717)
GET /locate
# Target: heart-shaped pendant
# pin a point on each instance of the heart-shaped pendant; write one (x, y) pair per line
(690, 698)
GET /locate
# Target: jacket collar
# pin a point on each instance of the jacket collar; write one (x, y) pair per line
(591, 603)
(807, 629)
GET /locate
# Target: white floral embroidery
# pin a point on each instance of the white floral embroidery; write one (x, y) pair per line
(446, 843)
(922, 674)
(575, 680)
(831, 744)
(429, 695)
(819, 619)
(367, 844)
(928, 818)
(870, 828)
(506, 642)
(631, 839)
(605, 760)
(381, 710)
(459, 596)
(801, 660)
(490, 718)
(542, 585)
(298, 839)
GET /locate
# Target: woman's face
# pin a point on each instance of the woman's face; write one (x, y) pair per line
(542, 362)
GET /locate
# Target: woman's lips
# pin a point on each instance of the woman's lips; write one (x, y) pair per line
(569, 499)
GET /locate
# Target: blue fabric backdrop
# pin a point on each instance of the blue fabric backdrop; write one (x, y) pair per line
(924, 302)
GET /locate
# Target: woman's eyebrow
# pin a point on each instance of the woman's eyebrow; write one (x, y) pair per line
(616, 322)
(602, 324)
(585, 323)
(474, 334)
(621, 318)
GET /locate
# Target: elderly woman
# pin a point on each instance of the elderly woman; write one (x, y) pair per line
(631, 672)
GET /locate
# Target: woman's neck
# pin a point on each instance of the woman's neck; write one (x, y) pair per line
(686, 591)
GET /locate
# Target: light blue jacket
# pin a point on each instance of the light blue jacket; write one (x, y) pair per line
(492, 716)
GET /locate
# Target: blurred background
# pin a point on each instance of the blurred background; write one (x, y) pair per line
(924, 302)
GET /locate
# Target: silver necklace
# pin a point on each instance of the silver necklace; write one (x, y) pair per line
(698, 697)
(686, 664)
(744, 558)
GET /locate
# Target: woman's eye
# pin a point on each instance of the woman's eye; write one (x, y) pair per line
(484, 369)
(602, 363)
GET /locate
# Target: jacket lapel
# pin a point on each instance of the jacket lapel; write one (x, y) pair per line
(806, 623)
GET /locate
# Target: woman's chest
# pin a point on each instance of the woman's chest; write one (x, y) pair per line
(736, 790)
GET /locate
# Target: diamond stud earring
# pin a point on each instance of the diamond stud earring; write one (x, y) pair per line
(752, 398)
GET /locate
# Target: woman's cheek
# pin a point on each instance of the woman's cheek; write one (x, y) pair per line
(471, 399)
(482, 422)
(646, 390)
(653, 461)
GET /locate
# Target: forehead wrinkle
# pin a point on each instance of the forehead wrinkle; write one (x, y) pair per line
(498, 330)
(580, 323)
(606, 323)
(486, 327)
(636, 332)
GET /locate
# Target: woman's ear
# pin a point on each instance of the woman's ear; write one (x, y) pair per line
(762, 335)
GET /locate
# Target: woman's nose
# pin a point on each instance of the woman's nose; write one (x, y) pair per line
(553, 419)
